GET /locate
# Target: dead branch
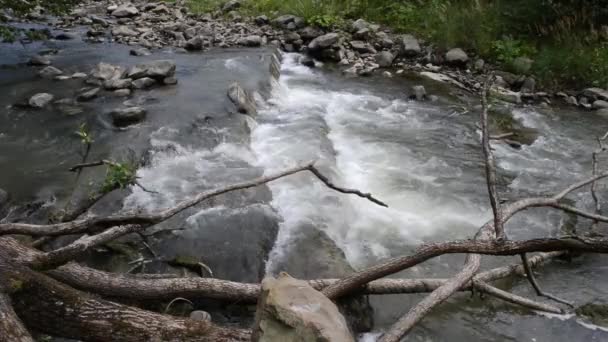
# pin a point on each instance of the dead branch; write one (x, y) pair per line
(515, 299)
(536, 286)
(11, 328)
(502, 136)
(594, 157)
(95, 223)
(81, 166)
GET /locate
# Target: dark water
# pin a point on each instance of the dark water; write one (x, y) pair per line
(423, 159)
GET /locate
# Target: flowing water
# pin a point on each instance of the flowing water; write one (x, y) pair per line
(422, 159)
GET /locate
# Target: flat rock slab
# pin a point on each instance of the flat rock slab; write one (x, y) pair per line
(128, 116)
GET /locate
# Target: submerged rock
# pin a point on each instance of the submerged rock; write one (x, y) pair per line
(40, 100)
(39, 60)
(49, 72)
(241, 98)
(291, 310)
(128, 116)
(140, 52)
(418, 93)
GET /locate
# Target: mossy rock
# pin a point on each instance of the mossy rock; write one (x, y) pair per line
(597, 313)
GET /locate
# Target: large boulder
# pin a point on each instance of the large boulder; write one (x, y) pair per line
(251, 41)
(409, 46)
(595, 93)
(244, 102)
(385, 59)
(283, 21)
(323, 42)
(359, 25)
(309, 33)
(105, 71)
(40, 100)
(291, 310)
(456, 56)
(125, 11)
(195, 43)
(158, 70)
(128, 116)
(117, 83)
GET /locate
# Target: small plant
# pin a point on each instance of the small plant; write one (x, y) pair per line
(7, 34)
(84, 134)
(326, 21)
(119, 176)
(507, 49)
(36, 35)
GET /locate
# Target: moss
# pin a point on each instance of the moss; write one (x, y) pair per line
(15, 284)
(596, 313)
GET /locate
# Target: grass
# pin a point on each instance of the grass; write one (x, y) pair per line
(562, 37)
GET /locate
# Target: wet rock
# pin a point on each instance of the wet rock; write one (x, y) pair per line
(284, 20)
(170, 81)
(359, 24)
(127, 116)
(105, 71)
(479, 64)
(40, 100)
(231, 6)
(243, 101)
(571, 100)
(88, 94)
(387, 74)
(456, 56)
(441, 78)
(418, 93)
(49, 72)
(522, 65)
(140, 52)
(66, 36)
(261, 20)
(125, 11)
(157, 70)
(584, 102)
(118, 83)
(195, 44)
(79, 75)
(289, 309)
(600, 104)
(123, 30)
(251, 41)
(597, 313)
(291, 37)
(385, 59)
(529, 85)
(100, 21)
(309, 33)
(39, 60)
(307, 61)
(505, 95)
(595, 93)
(362, 47)
(122, 92)
(200, 315)
(409, 46)
(143, 83)
(323, 42)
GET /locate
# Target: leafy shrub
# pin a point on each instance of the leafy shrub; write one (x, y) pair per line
(119, 176)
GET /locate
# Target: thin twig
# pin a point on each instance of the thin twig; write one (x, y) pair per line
(176, 300)
(536, 286)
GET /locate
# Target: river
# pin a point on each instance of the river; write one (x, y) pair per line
(422, 158)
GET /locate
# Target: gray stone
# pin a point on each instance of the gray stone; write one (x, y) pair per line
(127, 116)
(244, 102)
(195, 44)
(291, 37)
(479, 64)
(409, 46)
(105, 71)
(309, 33)
(251, 41)
(140, 52)
(362, 47)
(123, 30)
(231, 5)
(290, 310)
(418, 93)
(571, 100)
(385, 59)
(200, 315)
(125, 11)
(122, 92)
(88, 94)
(323, 42)
(529, 85)
(49, 72)
(79, 75)
(584, 102)
(143, 83)
(118, 83)
(66, 36)
(307, 61)
(161, 9)
(595, 93)
(261, 20)
(170, 81)
(39, 60)
(284, 20)
(603, 112)
(505, 95)
(299, 22)
(359, 24)
(40, 100)
(456, 56)
(158, 69)
(600, 104)
(98, 20)
(522, 65)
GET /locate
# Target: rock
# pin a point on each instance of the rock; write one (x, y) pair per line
(159, 69)
(97, 20)
(79, 75)
(603, 112)
(479, 64)
(88, 94)
(105, 71)
(231, 6)
(122, 92)
(170, 80)
(127, 116)
(39, 60)
(418, 93)
(522, 65)
(118, 83)
(140, 52)
(309, 33)
(384, 59)
(290, 310)
(143, 83)
(195, 44)
(125, 11)
(323, 42)
(363, 34)
(291, 37)
(409, 46)
(261, 20)
(200, 315)
(584, 102)
(284, 20)
(123, 30)
(528, 86)
(251, 41)
(66, 36)
(505, 95)
(161, 9)
(307, 61)
(40, 100)
(299, 22)
(572, 100)
(442, 78)
(595, 93)
(600, 104)
(456, 56)
(241, 98)
(359, 24)
(387, 74)
(49, 72)
(362, 47)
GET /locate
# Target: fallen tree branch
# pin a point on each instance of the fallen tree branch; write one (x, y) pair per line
(536, 286)
(11, 328)
(515, 299)
(95, 223)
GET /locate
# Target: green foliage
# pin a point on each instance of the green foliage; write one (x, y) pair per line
(119, 176)
(21, 7)
(507, 49)
(36, 34)
(84, 134)
(326, 21)
(576, 65)
(7, 34)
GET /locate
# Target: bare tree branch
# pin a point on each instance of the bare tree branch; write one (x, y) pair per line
(515, 299)
(11, 328)
(536, 286)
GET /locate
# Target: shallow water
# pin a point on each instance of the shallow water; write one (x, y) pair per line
(422, 159)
